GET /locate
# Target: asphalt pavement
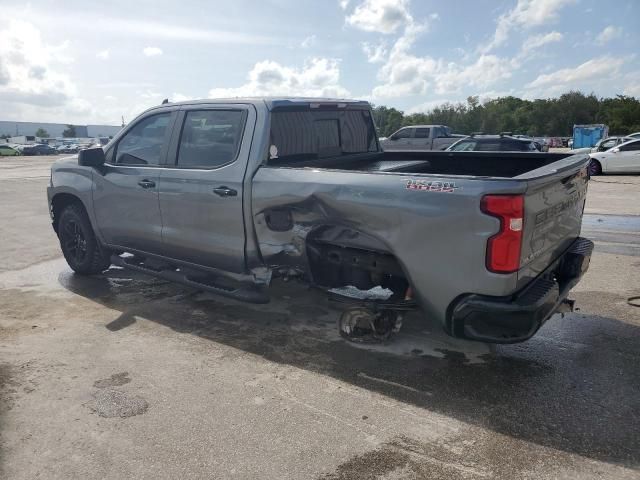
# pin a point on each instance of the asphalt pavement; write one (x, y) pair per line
(122, 375)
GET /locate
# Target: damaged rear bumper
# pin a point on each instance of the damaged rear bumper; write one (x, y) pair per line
(518, 317)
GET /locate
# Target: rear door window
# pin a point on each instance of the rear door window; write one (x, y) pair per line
(422, 133)
(210, 138)
(145, 142)
(629, 147)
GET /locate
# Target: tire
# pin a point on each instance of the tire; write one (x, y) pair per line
(594, 168)
(80, 247)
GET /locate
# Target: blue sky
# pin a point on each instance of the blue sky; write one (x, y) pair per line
(86, 62)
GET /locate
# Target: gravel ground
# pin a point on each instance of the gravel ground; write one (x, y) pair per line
(125, 376)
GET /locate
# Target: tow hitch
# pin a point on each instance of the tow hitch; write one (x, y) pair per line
(566, 306)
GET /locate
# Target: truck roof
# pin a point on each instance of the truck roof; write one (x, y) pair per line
(270, 102)
(422, 126)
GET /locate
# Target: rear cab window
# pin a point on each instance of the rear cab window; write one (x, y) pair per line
(302, 135)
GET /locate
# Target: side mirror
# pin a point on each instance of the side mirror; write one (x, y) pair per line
(615, 150)
(91, 157)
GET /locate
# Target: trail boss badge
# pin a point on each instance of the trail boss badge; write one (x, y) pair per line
(433, 186)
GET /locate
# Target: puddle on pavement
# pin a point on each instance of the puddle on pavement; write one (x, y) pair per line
(623, 223)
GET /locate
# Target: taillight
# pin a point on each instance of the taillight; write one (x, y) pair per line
(503, 249)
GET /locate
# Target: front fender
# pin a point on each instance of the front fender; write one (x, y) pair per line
(75, 181)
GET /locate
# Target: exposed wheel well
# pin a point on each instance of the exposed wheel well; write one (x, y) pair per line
(59, 203)
(339, 257)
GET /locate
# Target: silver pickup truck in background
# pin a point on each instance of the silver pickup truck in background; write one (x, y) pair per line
(420, 137)
(228, 195)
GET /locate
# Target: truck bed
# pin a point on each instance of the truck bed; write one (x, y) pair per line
(423, 209)
(483, 164)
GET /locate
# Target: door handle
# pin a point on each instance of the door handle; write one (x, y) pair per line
(147, 183)
(225, 191)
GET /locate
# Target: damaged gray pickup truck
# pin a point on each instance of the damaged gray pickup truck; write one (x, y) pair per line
(227, 195)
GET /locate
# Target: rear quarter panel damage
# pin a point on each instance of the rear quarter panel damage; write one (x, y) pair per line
(438, 236)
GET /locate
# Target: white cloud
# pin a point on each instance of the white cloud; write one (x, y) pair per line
(318, 77)
(149, 94)
(406, 74)
(608, 34)
(631, 84)
(526, 14)
(633, 89)
(179, 97)
(375, 53)
(344, 4)
(32, 76)
(308, 42)
(532, 46)
(36, 86)
(152, 51)
(103, 55)
(601, 67)
(536, 41)
(382, 16)
(427, 106)
(142, 27)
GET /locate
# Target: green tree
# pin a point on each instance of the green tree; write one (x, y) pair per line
(541, 117)
(388, 120)
(42, 133)
(69, 132)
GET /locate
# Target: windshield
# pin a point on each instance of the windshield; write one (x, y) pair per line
(301, 135)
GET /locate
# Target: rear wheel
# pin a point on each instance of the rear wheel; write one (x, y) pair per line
(80, 247)
(594, 168)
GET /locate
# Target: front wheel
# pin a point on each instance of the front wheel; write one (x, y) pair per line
(80, 247)
(594, 168)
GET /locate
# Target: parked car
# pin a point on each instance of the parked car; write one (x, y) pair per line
(7, 150)
(625, 158)
(543, 142)
(38, 149)
(494, 143)
(68, 149)
(634, 135)
(609, 142)
(420, 137)
(236, 193)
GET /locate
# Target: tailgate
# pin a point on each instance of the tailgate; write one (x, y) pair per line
(553, 207)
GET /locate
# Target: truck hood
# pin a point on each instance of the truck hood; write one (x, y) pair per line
(65, 161)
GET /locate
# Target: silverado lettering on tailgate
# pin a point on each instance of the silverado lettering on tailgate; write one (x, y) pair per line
(431, 186)
(555, 210)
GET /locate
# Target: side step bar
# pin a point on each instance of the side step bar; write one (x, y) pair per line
(243, 293)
